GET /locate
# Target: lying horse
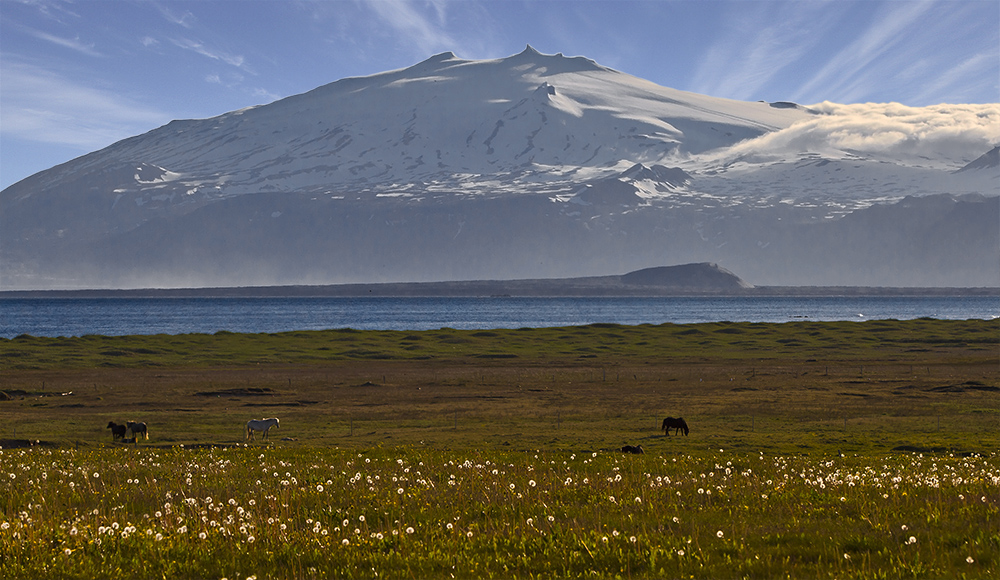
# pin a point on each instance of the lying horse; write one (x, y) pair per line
(260, 425)
(677, 424)
(630, 449)
(117, 431)
(137, 429)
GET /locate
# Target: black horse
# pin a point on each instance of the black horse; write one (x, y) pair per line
(630, 449)
(117, 431)
(677, 424)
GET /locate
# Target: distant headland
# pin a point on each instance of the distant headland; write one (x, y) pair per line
(700, 279)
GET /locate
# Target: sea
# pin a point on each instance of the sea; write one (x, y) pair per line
(55, 317)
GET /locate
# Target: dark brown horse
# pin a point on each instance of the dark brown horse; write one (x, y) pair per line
(117, 431)
(677, 424)
(632, 449)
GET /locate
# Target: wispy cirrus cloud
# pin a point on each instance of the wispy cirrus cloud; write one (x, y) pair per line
(849, 73)
(425, 29)
(236, 60)
(71, 43)
(757, 42)
(42, 106)
(976, 70)
(185, 18)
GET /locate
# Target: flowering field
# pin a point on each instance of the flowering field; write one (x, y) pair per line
(267, 512)
(845, 450)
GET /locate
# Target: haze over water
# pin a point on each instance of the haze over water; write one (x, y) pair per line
(116, 317)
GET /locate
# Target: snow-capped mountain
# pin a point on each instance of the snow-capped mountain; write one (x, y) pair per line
(524, 167)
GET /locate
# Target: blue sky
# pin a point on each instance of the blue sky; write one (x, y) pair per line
(79, 75)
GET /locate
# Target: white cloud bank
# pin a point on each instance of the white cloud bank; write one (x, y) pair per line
(950, 135)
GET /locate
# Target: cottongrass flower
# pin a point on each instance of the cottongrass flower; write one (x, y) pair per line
(345, 542)
(409, 530)
(911, 540)
(319, 488)
(719, 533)
(970, 560)
(202, 535)
(680, 553)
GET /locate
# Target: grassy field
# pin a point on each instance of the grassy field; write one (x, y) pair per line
(853, 450)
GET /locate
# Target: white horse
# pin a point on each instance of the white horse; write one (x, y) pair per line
(138, 429)
(260, 425)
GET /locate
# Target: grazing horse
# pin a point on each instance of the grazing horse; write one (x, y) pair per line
(630, 449)
(137, 429)
(117, 431)
(260, 425)
(677, 424)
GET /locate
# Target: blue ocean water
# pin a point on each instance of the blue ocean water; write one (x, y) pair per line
(118, 316)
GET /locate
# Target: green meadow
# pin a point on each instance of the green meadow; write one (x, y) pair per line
(846, 450)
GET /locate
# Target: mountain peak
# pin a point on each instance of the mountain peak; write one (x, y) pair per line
(529, 51)
(987, 160)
